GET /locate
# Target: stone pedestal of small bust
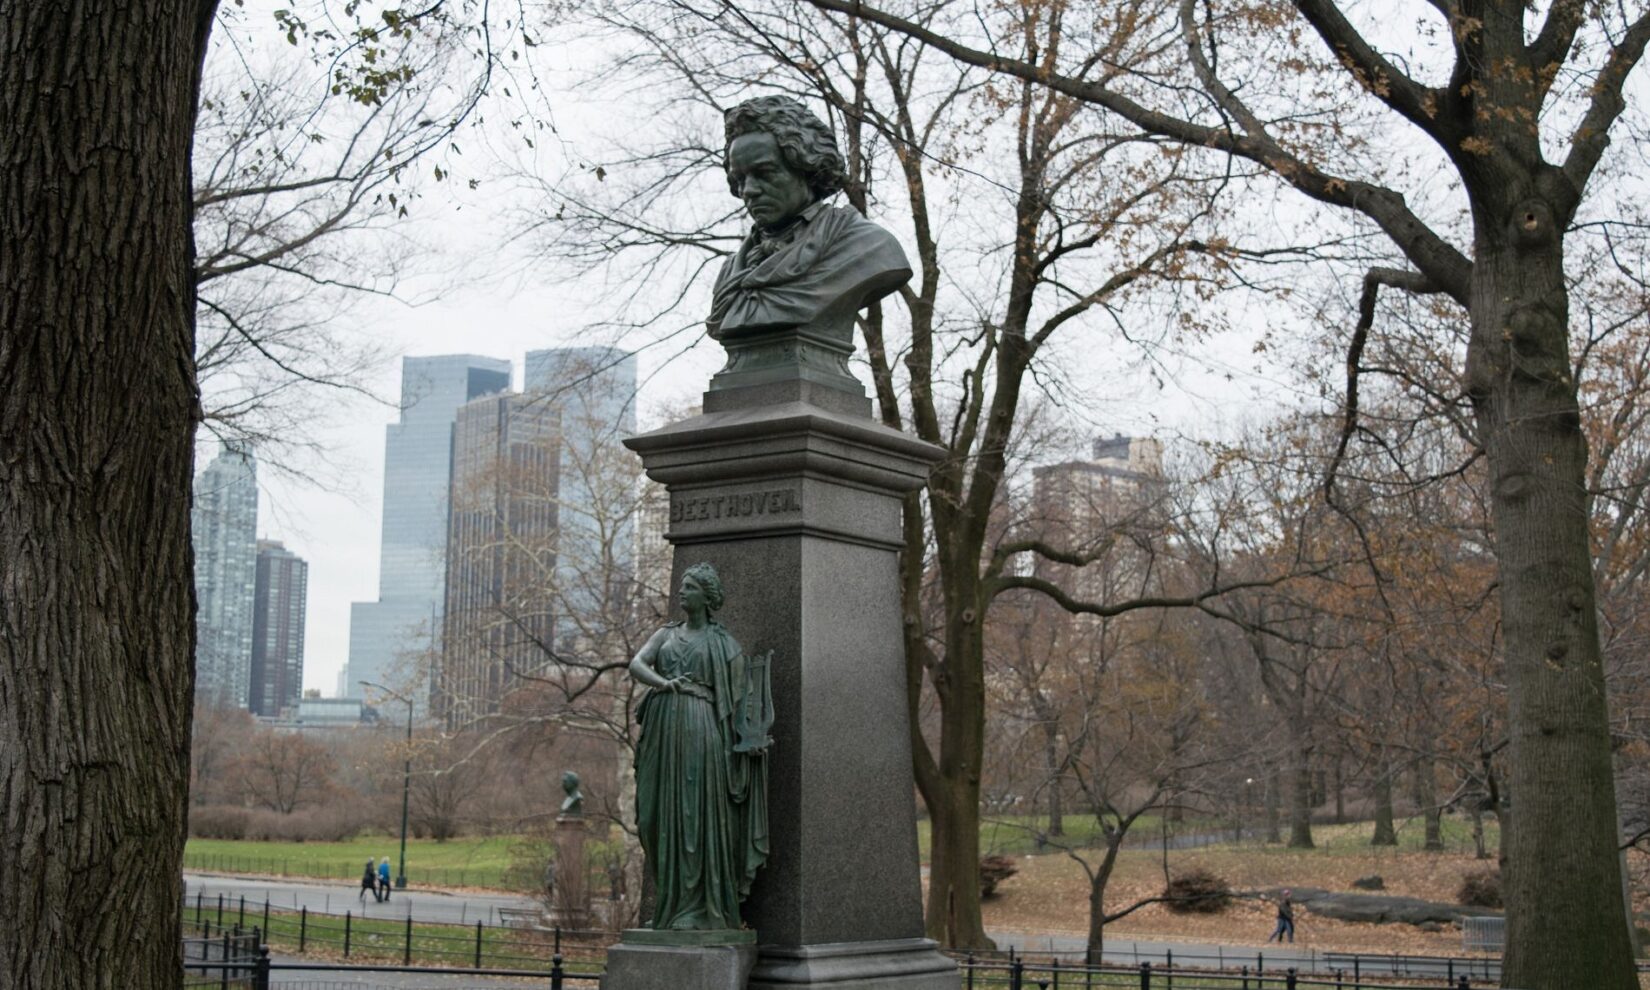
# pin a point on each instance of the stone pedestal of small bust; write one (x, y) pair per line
(570, 900)
(788, 486)
(570, 903)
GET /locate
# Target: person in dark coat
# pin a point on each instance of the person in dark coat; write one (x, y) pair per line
(369, 884)
(1286, 919)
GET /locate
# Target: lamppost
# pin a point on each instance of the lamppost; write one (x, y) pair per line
(406, 777)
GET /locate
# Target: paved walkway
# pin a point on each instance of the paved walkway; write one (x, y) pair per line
(456, 907)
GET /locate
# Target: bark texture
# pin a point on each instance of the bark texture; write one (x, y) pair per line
(97, 409)
(1385, 833)
(1564, 898)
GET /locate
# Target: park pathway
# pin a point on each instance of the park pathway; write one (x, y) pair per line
(455, 907)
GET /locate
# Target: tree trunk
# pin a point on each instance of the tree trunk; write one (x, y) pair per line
(97, 413)
(1274, 831)
(1300, 804)
(1566, 923)
(1479, 850)
(1096, 947)
(1051, 762)
(1385, 833)
(953, 915)
(1340, 792)
(1426, 797)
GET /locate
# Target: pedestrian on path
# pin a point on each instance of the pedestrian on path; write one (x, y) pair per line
(1286, 920)
(369, 883)
(384, 877)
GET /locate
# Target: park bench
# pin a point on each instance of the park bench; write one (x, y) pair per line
(520, 917)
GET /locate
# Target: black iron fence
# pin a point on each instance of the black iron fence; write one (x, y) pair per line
(255, 972)
(233, 950)
(398, 940)
(1358, 967)
(219, 930)
(1021, 974)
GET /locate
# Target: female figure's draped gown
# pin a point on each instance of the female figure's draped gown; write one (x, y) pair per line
(701, 805)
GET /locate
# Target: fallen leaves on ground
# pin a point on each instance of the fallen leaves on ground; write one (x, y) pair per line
(1050, 894)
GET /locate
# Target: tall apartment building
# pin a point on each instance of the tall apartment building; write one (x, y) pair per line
(279, 600)
(224, 518)
(388, 635)
(1078, 503)
(1119, 478)
(595, 390)
(501, 553)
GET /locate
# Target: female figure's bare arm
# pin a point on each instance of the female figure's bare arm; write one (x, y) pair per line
(644, 666)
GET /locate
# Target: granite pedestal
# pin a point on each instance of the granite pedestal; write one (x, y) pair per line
(793, 492)
(570, 907)
(647, 960)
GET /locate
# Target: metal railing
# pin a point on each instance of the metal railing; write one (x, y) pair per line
(1022, 975)
(254, 974)
(1486, 934)
(401, 939)
(229, 948)
(407, 941)
(1445, 970)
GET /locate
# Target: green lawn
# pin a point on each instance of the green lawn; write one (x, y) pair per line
(1016, 835)
(481, 861)
(484, 861)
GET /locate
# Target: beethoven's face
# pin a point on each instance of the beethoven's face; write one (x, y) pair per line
(691, 596)
(774, 195)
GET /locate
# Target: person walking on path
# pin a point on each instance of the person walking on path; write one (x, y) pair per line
(1286, 920)
(369, 882)
(384, 878)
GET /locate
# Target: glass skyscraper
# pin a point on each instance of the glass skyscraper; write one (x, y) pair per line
(595, 390)
(224, 522)
(501, 553)
(387, 637)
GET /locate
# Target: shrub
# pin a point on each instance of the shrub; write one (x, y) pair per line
(218, 821)
(1480, 889)
(1198, 892)
(993, 871)
(336, 822)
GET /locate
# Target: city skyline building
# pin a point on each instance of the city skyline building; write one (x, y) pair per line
(224, 525)
(280, 601)
(1082, 504)
(598, 484)
(388, 634)
(501, 552)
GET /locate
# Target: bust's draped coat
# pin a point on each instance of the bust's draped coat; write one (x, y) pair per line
(828, 265)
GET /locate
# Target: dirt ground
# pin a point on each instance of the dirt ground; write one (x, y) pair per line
(1049, 895)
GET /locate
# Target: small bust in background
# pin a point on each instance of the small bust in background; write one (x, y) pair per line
(572, 805)
(805, 263)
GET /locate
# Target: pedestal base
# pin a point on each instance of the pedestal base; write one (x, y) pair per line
(635, 966)
(889, 964)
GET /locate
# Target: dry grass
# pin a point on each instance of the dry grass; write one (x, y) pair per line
(1050, 893)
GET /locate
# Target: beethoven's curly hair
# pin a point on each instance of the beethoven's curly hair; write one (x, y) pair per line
(805, 143)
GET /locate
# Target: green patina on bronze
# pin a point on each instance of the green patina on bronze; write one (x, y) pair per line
(784, 305)
(702, 765)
